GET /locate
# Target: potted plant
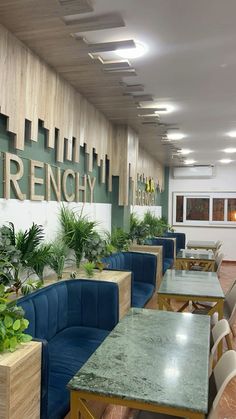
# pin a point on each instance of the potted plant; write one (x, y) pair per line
(118, 240)
(76, 230)
(59, 252)
(156, 226)
(22, 254)
(89, 268)
(138, 230)
(12, 324)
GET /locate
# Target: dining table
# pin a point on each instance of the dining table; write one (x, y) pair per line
(191, 287)
(152, 360)
(188, 258)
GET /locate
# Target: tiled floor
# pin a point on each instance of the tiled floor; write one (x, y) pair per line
(227, 408)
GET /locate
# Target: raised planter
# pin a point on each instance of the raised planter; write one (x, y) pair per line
(20, 378)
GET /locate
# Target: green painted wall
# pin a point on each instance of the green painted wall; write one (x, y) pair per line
(40, 152)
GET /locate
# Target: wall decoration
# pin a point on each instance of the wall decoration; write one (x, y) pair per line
(32, 91)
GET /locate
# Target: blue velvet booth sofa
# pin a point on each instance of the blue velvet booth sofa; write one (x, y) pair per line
(168, 254)
(71, 318)
(180, 239)
(143, 267)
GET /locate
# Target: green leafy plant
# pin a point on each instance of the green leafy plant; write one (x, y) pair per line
(95, 248)
(118, 239)
(89, 268)
(20, 252)
(59, 252)
(138, 229)
(76, 231)
(30, 286)
(156, 226)
(41, 258)
(12, 324)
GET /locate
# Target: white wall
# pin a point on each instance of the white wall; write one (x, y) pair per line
(140, 210)
(223, 181)
(24, 213)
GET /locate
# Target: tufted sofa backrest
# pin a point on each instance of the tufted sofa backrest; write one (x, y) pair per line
(70, 303)
(180, 239)
(142, 265)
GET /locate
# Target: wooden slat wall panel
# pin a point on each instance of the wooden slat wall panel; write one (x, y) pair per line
(29, 89)
(148, 167)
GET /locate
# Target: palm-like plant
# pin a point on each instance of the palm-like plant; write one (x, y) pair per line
(156, 226)
(118, 239)
(59, 252)
(31, 253)
(76, 230)
(138, 229)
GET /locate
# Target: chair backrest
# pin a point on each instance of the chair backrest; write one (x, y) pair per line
(230, 301)
(218, 244)
(219, 331)
(219, 259)
(224, 371)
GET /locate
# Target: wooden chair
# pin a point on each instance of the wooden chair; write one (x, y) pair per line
(220, 331)
(219, 259)
(223, 373)
(229, 307)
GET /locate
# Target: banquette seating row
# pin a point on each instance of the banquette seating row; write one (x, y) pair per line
(71, 318)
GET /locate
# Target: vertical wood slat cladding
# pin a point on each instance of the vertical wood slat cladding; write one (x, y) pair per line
(29, 89)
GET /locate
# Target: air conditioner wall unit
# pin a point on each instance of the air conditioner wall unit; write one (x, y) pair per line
(193, 172)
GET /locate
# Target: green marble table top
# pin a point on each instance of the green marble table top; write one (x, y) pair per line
(204, 244)
(155, 357)
(195, 254)
(194, 283)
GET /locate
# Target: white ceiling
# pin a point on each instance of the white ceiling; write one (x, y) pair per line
(191, 64)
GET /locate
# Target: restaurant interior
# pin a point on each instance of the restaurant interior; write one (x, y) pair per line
(117, 209)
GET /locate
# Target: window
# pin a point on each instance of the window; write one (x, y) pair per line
(179, 208)
(231, 210)
(197, 209)
(218, 209)
(204, 208)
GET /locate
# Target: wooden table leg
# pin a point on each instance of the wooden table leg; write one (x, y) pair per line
(160, 302)
(78, 408)
(74, 409)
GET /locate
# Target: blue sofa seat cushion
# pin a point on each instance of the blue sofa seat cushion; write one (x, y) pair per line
(143, 267)
(141, 293)
(168, 263)
(68, 351)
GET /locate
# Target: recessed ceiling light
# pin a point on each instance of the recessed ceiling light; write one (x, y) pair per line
(175, 136)
(139, 50)
(189, 161)
(232, 134)
(225, 161)
(230, 150)
(184, 151)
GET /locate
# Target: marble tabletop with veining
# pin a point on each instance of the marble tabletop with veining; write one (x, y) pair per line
(154, 357)
(192, 283)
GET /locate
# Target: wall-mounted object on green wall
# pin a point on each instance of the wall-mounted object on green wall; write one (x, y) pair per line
(34, 173)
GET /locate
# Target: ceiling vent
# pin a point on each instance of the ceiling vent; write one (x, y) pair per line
(193, 172)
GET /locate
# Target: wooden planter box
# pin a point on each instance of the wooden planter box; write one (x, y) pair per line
(20, 379)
